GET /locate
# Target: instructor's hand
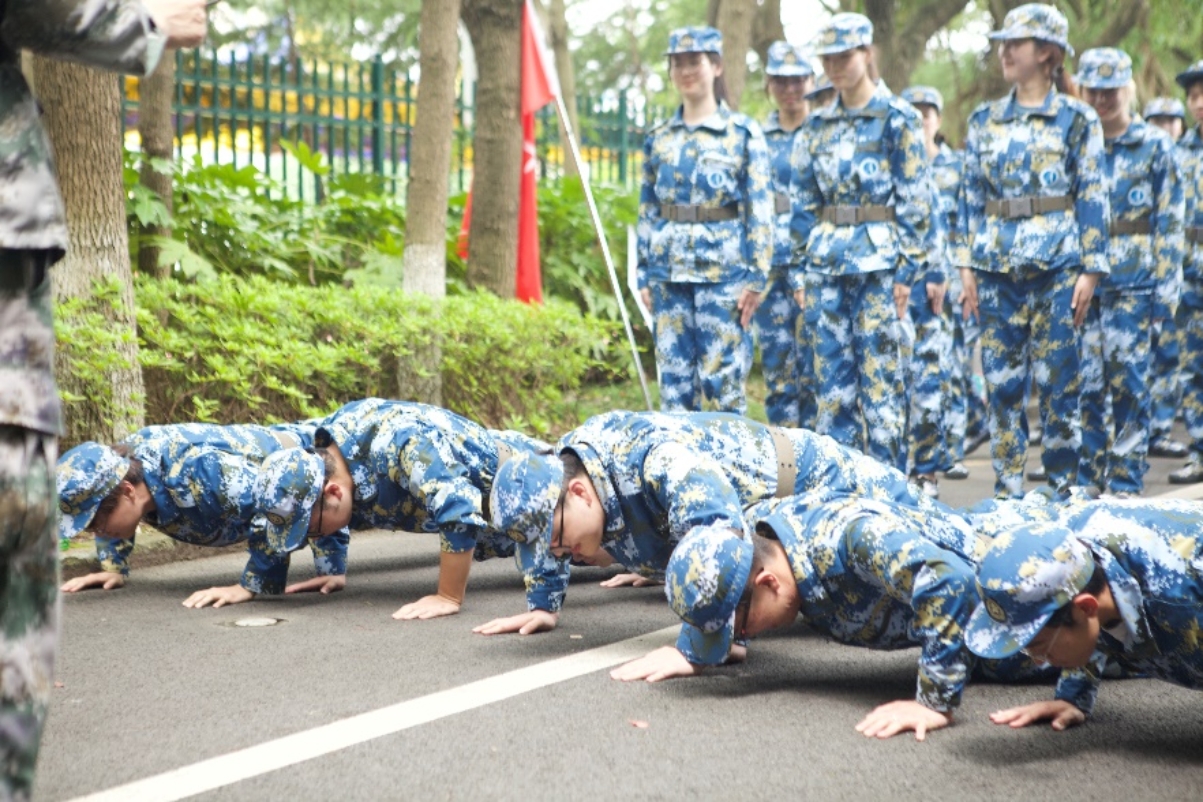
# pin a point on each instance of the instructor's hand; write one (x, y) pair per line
(968, 297)
(749, 301)
(902, 297)
(1083, 292)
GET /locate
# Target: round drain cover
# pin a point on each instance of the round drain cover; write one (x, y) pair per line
(256, 622)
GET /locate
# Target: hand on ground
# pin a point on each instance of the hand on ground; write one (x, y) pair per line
(218, 597)
(435, 606)
(1063, 715)
(633, 580)
(319, 584)
(108, 580)
(524, 624)
(664, 663)
(890, 719)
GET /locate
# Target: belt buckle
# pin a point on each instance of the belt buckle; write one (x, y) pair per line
(687, 214)
(845, 215)
(1020, 207)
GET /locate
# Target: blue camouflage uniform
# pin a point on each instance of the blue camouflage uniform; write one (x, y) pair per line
(931, 368)
(785, 352)
(862, 203)
(659, 475)
(414, 468)
(705, 236)
(1145, 254)
(1033, 217)
(869, 573)
(1152, 559)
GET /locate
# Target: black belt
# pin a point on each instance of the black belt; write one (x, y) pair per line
(1122, 228)
(1028, 206)
(1194, 234)
(22, 270)
(698, 214)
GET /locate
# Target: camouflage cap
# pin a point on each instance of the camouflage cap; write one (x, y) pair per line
(522, 502)
(1036, 21)
(288, 486)
(85, 475)
(1104, 68)
(1191, 74)
(786, 60)
(926, 95)
(844, 32)
(697, 39)
(1165, 107)
(821, 85)
(1026, 575)
(706, 577)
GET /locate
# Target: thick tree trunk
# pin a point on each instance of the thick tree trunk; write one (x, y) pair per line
(158, 143)
(735, 18)
(495, 27)
(767, 28)
(82, 117)
(564, 71)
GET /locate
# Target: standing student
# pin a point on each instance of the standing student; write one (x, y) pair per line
(705, 233)
(1145, 255)
(1033, 243)
(862, 228)
(785, 352)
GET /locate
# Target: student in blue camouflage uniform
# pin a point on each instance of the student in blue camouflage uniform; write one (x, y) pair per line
(931, 369)
(785, 352)
(705, 233)
(1191, 306)
(1169, 115)
(1109, 580)
(823, 95)
(629, 485)
(123, 35)
(860, 571)
(1145, 255)
(385, 465)
(862, 230)
(1033, 243)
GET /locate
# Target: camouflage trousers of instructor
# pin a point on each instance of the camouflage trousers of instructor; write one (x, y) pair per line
(1191, 317)
(785, 358)
(704, 355)
(1164, 378)
(931, 374)
(1115, 366)
(860, 361)
(1027, 330)
(29, 566)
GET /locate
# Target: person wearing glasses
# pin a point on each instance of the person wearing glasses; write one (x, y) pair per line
(192, 481)
(379, 464)
(864, 572)
(1118, 580)
(627, 486)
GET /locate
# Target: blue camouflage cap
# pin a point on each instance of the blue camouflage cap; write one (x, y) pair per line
(1191, 74)
(522, 502)
(844, 32)
(1104, 68)
(787, 60)
(927, 95)
(821, 85)
(288, 486)
(1026, 575)
(85, 475)
(1165, 107)
(696, 39)
(1036, 21)
(706, 577)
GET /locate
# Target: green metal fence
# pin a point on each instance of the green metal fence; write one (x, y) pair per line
(238, 111)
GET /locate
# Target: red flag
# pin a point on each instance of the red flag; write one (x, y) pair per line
(461, 244)
(538, 89)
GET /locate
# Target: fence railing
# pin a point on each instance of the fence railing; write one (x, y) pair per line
(238, 111)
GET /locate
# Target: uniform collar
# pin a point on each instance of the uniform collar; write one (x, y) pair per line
(773, 123)
(944, 155)
(166, 510)
(1133, 630)
(1009, 109)
(715, 122)
(878, 105)
(1132, 135)
(1191, 138)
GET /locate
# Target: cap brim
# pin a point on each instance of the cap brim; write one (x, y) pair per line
(1185, 79)
(707, 648)
(790, 72)
(987, 638)
(71, 525)
(1105, 84)
(283, 540)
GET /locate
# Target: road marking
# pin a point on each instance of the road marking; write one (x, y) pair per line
(262, 758)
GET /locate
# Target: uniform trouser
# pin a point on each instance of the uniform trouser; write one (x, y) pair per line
(966, 411)
(1115, 367)
(703, 353)
(788, 388)
(860, 359)
(1164, 384)
(1027, 330)
(930, 385)
(1191, 328)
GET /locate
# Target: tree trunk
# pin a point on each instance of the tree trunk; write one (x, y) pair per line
(767, 29)
(495, 28)
(735, 18)
(566, 74)
(155, 93)
(82, 117)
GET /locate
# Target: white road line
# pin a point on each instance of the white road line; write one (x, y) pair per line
(253, 761)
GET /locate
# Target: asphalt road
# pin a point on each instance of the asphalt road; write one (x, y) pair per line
(149, 687)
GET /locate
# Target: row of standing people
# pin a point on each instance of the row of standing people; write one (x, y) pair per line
(869, 259)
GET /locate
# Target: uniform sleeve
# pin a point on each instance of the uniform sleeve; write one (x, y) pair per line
(691, 489)
(427, 468)
(1092, 203)
(544, 574)
(649, 214)
(266, 570)
(937, 240)
(913, 187)
(109, 34)
(805, 199)
(113, 553)
(330, 553)
(1080, 686)
(759, 220)
(971, 201)
(1169, 243)
(936, 583)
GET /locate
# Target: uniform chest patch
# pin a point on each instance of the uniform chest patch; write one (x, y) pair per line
(1050, 176)
(1138, 196)
(868, 168)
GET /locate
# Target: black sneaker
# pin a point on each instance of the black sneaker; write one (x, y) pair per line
(1165, 447)
(1189, 474)
(1038, 474)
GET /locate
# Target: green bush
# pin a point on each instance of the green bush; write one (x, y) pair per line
(238, 350)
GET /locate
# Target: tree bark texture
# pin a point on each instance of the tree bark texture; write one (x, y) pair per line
(767, 28)
(901, 33)
(155, 93)
(735, 18)
(82, 117)
(495, 28)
